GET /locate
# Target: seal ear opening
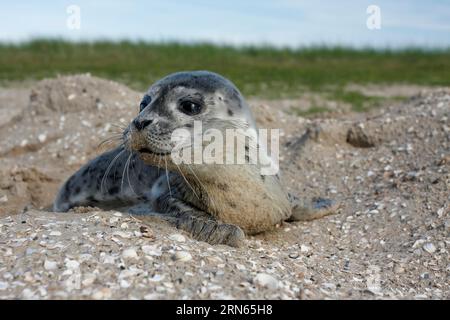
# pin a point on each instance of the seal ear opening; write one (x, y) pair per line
(317, 208)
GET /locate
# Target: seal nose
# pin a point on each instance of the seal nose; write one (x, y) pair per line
(141, 124)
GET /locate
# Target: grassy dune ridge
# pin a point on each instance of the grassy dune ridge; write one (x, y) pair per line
(259, 71)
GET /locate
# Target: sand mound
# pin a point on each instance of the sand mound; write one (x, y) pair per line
(75, 93)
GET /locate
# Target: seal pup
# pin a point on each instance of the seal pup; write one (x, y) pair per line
(216, 203)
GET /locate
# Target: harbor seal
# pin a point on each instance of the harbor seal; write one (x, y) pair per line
(216, 202)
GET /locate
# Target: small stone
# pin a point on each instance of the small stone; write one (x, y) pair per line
(266, 280)
(88, 280)
(124, 284)
(399, 269)
(129, 253)
(3, 198)
(177, 237)
(429, 247)
(182, 256)
(151, 250)
(3, 285)
(156, 278)
(104, 293)
(153, 296)
(146, 233)
(304, 249)
(425, 276)
(50, 265)
(447, 225)
(122, 234)
(108, 259)
(42, 137)
(28, 294)
(418, 243)
(113, 220)
(329, 285)
(72, 264)
(294, 255)
(55, 233)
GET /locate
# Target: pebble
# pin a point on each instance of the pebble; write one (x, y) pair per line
(157, 278)
(72, 264)
(50, 265)
(182, 256)
(151, 250)
(55, 233)
(42, 137)
(304, 248)
(266, 280)
(124, 284)
(429, 247)
(3, 285)
(177, 237)
(123, 234)
(129, 253)
(418, 243)
(399, 269)
(146, 233)
(88, 280)
(294, 255)
(153, 296)
(3, 198)
(104, 293)
(28, 294)
(113, 220)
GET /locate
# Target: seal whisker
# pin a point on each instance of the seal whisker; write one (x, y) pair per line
(167, 176)
(123, 172)
(109, 169)
(203, 187)
(121, 127)
(115, 138)
(190, 186)
(128, 174)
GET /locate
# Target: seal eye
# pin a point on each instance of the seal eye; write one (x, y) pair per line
(190, 108)
(145, 101)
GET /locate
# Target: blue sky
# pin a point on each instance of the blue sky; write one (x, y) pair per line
(276, 22)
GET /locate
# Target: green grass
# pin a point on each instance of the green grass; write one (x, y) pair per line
(357, 100)
(262, 71)
(312, 111)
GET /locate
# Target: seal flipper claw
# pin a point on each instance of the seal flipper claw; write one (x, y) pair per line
(199, 224)
(318, 208)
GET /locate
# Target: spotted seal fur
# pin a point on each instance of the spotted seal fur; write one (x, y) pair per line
(216, 203)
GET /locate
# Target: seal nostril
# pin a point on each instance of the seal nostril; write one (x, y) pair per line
(139, 125)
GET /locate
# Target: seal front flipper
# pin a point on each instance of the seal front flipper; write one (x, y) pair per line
(317, 208)
(199, 224)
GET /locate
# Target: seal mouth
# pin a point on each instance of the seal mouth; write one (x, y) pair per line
(148, 151)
